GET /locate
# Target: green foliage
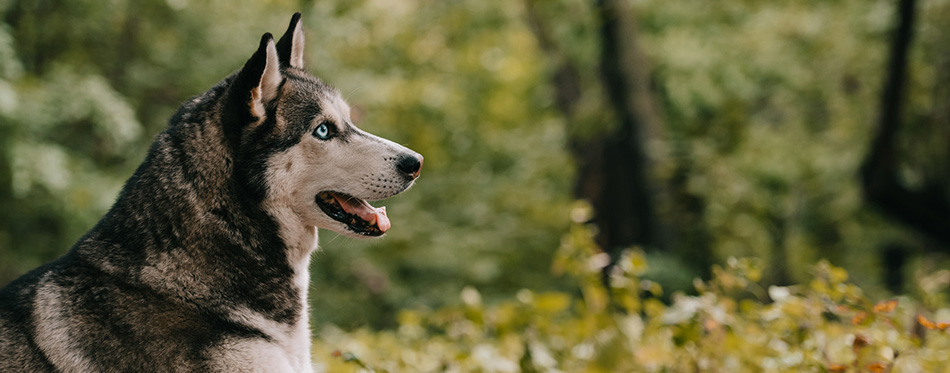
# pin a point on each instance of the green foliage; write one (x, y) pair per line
(772, 104)
(456, 82)
(769, 104)
(64, 137)
(731, 325)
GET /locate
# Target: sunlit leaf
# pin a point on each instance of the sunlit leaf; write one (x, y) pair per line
(923, 321)
(859, 317)
(885, 306)
(552, 302)
(876, 367)
(837, 368)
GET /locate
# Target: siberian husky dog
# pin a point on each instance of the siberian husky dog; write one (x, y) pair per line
(201, 264)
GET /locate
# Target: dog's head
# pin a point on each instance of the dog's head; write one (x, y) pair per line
(299, 151)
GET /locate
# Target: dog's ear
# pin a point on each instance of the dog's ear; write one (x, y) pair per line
(258, 82)
(290, 46)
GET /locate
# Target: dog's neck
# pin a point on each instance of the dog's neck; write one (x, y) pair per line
(190, 235)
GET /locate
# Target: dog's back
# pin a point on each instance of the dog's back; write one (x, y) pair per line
(69, 316)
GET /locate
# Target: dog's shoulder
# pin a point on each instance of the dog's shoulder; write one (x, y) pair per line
(19, 349)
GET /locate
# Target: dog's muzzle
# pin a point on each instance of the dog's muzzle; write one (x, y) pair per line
(358, 215)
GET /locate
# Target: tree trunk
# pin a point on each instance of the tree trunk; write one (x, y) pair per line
(614, 168)
(926, 209)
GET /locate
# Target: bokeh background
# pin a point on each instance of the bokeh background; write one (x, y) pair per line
(698, 131)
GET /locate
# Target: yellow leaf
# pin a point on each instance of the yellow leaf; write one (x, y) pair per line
(876, 367)
(923, 321)
(838, 275)
(837, 368)
(552, 302)
(885, 306)
(650, 355)
(711, 325)
(857, 319)
(409, 317)
(754, 274)
(638, 263)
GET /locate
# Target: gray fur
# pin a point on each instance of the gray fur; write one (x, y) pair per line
(201, 263)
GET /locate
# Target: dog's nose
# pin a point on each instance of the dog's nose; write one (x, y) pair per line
(410, 164)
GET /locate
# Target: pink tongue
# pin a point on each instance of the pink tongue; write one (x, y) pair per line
(358, 207)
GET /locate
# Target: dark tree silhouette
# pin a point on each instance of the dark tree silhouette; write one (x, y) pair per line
(612, 165)
(926, 209)
(613, 169)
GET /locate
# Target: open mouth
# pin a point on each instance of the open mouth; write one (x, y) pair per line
(358, 215)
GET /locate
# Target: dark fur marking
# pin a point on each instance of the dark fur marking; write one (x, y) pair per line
(285, 44)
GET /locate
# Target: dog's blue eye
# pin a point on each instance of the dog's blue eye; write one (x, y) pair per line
(322, 132)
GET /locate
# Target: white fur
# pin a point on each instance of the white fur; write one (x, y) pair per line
(361, 167)
(296, 47)
(290, 349)
(294, 178)
(291, 342)
(52, 331)
(252, 356)
(266, 89)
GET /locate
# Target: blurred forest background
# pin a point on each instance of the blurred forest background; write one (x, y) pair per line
(697, 131)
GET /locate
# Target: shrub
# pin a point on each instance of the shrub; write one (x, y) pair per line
(730, 324)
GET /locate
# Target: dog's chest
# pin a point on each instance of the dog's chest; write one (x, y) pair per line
(286, 348)
(287, 345)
